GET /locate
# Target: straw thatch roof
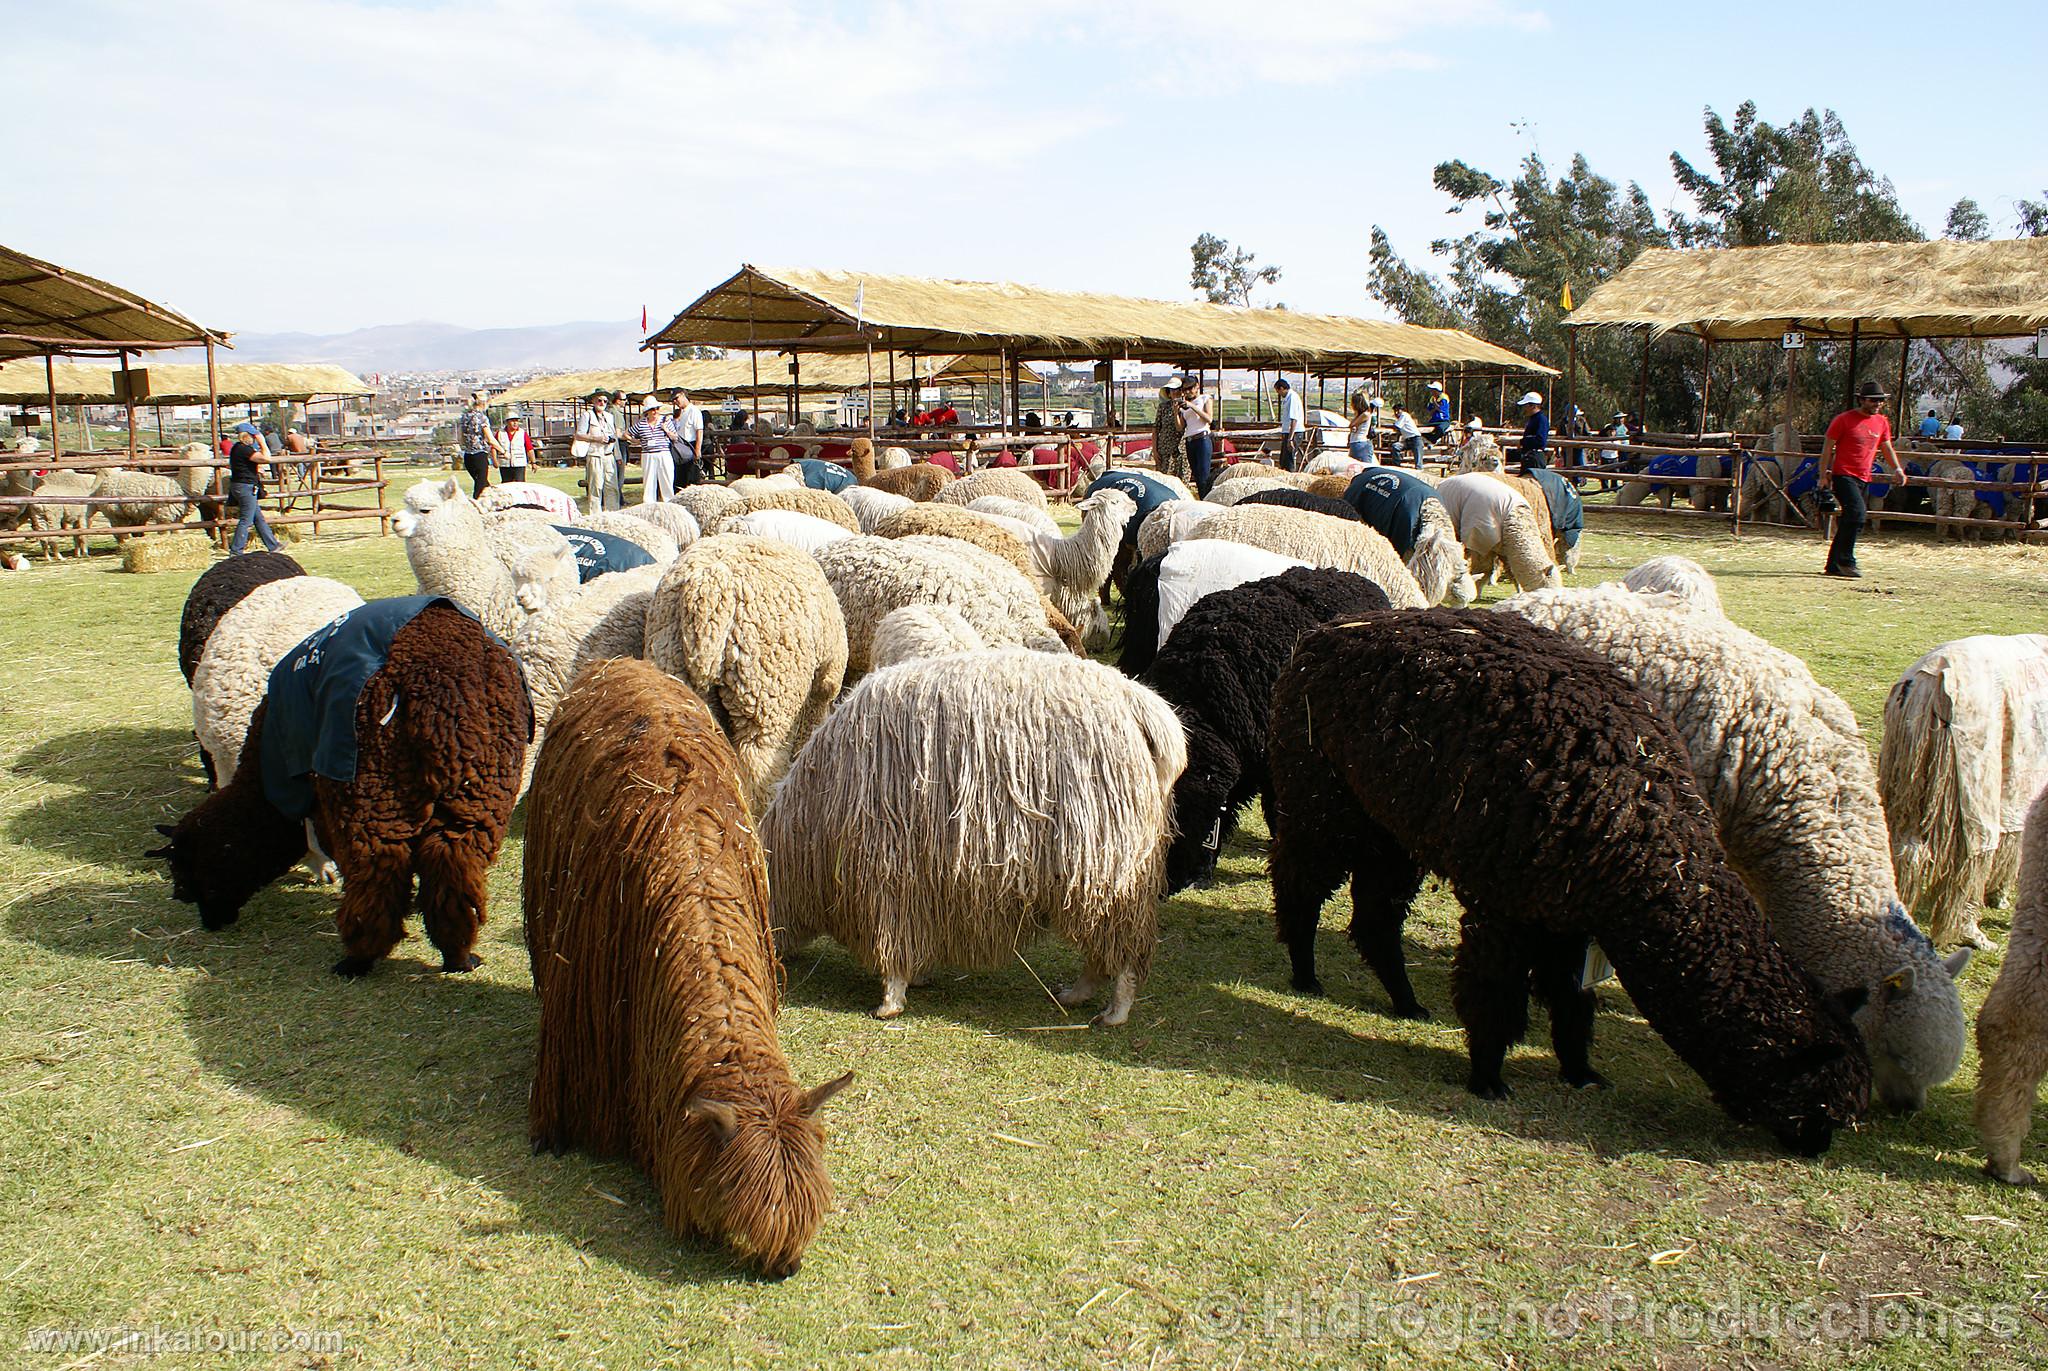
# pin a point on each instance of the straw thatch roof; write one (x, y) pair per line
(1885, 290)
(843, 311)
(816, 374)
(25, 382)
(46, 309)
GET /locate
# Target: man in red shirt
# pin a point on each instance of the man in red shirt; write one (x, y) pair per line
(1856, 438)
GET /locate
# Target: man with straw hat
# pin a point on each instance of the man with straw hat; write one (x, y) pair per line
(1856, 438)
(596, 443)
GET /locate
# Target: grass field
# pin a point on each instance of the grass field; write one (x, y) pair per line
(208, 1133)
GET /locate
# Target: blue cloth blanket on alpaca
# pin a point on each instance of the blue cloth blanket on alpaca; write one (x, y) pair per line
(598, 553)
(309, 720)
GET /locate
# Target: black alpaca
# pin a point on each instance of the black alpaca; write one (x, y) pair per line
(1561, 808)
(1217, 671)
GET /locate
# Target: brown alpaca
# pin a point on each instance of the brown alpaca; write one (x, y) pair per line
(948, 521)
(1327, 486)
(432, 796)
(648, 926)
(1539, 504)
(919, 481)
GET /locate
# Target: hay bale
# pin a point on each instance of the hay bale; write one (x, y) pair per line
(168, 552)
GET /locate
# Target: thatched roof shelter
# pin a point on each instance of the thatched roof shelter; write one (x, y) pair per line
(798, 309)
(835, 374)
(27, 382)
(1876, 290)
(46, 309)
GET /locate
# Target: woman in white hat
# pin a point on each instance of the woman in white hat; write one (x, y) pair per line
(1534, 449)
(657, 463)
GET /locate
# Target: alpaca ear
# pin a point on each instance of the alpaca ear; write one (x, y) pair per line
(165, 852)
(722, 1117)
(817, 1095)
(166, 830)
(1956, 961)
(449, 490)
(1898, 985)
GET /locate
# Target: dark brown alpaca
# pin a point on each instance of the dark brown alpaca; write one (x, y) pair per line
(648, 924)
(432, 796)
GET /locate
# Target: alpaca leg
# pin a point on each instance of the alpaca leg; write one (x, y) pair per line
(1384, 881)
(1559, 980)
(1306, 872)
(1123, 993)
(893, 989)
(453, 894)
(319, 865)
(1490, 991)
(371, 916)
(2012, 1040)
(1082, 988)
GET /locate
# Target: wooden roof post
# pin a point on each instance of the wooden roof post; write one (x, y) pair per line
(56, 434)
(128, 394)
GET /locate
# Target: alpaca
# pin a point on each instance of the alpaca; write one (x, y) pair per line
(2012, 1028)
(411, 770)
(1173, 522)
(234, 668)
(751, 625)
(1782, 764)
(1965, 752)
(871, 576)
(871, 506)
(1340, 544)
(916, 631)
(918, 481)
(219, 589)
(647, 925)
(1404, 509)
(1301, 499)
(953, 809)
(1570, 815)
(1681, 577)
(1014, 485)
(1162, 590)
(1495, 524)
(607, 618)
(1217, 671)
(454, 552)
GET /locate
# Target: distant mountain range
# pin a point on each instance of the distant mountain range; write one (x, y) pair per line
(447, 347)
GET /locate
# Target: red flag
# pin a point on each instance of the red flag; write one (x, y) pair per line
(643, 318)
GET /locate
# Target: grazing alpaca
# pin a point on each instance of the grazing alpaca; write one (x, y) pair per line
(417, 778)
(2012, 1028)
(647, 923)
(1217, 671)
(1560, 806)
(219, 589)
(954, 809)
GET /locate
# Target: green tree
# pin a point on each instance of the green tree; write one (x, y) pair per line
(1803, 182)
(1227, 275)
(1967, 222)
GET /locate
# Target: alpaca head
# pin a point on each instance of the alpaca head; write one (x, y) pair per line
(764, 1189)
(422, 500)
(1805, 1091)
(1203, 815)
(1913, 1019)
(539, 573)
(1109, 507)
(220, 854)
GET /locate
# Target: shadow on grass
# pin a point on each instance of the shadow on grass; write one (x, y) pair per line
(1218, 1004)
(110, 785)
(435, 1067)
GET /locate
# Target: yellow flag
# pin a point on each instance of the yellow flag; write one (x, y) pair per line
(1564, 300)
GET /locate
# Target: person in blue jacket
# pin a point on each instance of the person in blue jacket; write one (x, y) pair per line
(1439, 413)
(1534, 449)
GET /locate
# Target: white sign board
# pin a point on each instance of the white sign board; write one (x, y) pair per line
(1792, 341)
(2041, 342)
(1124, 370)
(732, 405)
(854, 401)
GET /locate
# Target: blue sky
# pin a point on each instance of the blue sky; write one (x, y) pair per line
(338, 163)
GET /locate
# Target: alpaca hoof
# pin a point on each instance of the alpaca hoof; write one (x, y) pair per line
(1080, 992)
(888, 1009)
(456, 965)
(2012, 1174)
(1306, 985)
(1591, 1080)
(1413, 1010)
(1490, 1090)
(353, 968)
(327, 873)
(1112, 1017)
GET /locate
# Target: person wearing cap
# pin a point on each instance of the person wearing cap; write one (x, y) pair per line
(1198, 445)
(474, 438)
(1407, 437)
(1534, 449)
(685, 429)
(598, 434)
(1856, 438)
(657, 464)
(1358, 439)
(1292, 421)
(245, 489)
(1439, 413)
